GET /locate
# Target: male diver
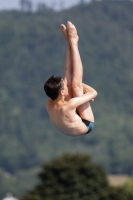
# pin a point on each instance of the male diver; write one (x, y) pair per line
(69, 99)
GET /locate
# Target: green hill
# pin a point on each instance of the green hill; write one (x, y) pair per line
(31, 49)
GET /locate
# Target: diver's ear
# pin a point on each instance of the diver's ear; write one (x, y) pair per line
(62, 92)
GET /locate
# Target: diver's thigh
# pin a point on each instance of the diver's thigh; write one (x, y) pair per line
(85, 112)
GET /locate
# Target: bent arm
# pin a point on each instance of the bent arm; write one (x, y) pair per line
(87, 88)
(88, 96)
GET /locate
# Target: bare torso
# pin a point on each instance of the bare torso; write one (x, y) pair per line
(67, 121)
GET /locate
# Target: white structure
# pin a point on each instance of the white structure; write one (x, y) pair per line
(10, 197)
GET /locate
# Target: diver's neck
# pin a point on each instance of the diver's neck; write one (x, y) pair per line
(59, 101)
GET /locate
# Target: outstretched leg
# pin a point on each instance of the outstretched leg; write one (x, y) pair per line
(84, 110)
(68, 64)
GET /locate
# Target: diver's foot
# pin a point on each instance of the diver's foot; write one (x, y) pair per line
(72, 33)
(64, 31)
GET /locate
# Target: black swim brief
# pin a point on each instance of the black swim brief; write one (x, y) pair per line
(90, 125)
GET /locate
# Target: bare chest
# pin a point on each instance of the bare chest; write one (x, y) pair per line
(55, 113)
(66, 121)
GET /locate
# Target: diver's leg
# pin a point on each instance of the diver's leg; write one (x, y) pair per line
(77, 68)
(84, 110)
(68, 64)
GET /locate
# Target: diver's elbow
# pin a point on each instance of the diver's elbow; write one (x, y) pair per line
(96, 93)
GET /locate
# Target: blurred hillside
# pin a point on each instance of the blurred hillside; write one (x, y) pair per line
(31, 49)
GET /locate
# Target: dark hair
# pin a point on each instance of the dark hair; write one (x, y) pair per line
(53, 86)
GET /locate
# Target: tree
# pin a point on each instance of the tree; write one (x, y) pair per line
(26, 5)
(70, 177)
(75, 177)
(41, 7)
(128, 188)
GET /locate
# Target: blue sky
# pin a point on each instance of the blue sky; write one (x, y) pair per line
(11, 4)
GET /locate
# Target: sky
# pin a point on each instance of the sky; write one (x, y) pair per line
(15, 4)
